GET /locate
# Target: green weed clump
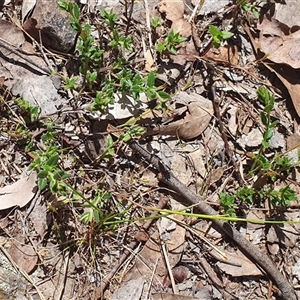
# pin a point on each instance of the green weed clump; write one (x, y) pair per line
(99, 78)
(264, 168)
(119, 77)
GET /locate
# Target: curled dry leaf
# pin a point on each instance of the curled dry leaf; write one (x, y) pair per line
(18, 193)
(192, 125)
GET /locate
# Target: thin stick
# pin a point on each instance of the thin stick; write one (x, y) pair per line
(165, 176)
(224, 136)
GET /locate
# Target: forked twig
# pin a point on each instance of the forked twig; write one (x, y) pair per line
(165, 176)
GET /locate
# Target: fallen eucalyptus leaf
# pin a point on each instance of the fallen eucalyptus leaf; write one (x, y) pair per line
(18, 193)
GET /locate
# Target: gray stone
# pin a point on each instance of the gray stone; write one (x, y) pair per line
(54, 25)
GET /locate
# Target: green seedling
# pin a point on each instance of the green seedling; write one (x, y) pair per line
(229, 204)
(171, 43)
(90, 54)
(218, 36)
(95, 208)
(71, 83)
(249, 7)
(261, 162)
(121, 77)
(74, 11)
(30, 112)
(46, 163)
(263, 166)
(156, 22)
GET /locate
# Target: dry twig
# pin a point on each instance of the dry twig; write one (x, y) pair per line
(165, 176)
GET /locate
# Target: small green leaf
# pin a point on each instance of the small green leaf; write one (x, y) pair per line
(151, 79)
(264, 118)
(268, 134)
(160, 47)
(43, 174)
(42, 183)
(214, 31)
(76, 11)
(226, 35)
(53, 160)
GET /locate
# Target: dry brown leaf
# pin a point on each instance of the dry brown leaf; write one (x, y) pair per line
(174, 9)
(287, 12)
(27, 8)
(291, 79)
(192, 125)
(180, 169)
(228, 54)
(150, 259)
(164, 296)
(174, 237)
(38, 217)
(18, 193)
(278, 43)
(149, 64)
(237, 264)
(183, 27)
(24, 256)
(130, 290)
(11, 34)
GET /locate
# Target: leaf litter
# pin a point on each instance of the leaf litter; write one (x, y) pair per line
(187, 140)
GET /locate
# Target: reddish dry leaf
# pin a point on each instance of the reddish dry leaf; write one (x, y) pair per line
(18, 193)
(24, 256)
(228, 54)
